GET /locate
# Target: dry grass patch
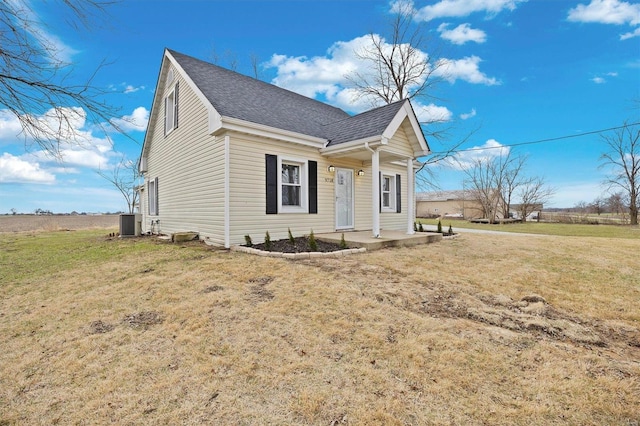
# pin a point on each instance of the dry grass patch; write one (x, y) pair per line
(478, 330)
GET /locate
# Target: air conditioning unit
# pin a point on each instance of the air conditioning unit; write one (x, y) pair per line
(130, 225)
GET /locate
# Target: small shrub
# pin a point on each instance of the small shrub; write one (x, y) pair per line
(415, 226)
(421, 228)
(267, 241)
(313, 245)
(247, 240)
(291, 239)
(439, 226)
(450, 231)
(343, 243)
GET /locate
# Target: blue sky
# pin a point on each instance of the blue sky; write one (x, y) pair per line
(518, 71)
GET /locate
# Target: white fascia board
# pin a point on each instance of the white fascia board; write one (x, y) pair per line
(167, 59)
(407, 112)
(352, 145)
(229, 123)
(151, 122)
(415, 124)
(190, 82)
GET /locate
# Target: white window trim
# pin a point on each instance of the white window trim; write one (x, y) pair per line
(304, 187)
(174, 111)
(392, 192)
(153, 204)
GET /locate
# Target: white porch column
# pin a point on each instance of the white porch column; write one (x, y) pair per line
(411, 217)
(375, 192)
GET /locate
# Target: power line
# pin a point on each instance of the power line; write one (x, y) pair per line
(577, 135)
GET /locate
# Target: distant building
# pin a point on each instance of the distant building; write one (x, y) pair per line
(454, 204)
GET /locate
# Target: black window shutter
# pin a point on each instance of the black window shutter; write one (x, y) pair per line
(313, 187)
(398, 195)
(176, 106)
(166, 100)
(271, 180)
(380, 190)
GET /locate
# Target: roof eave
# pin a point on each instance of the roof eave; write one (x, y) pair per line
(218, 124)
(350, 146)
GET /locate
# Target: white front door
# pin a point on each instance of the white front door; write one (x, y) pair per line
(344, 198)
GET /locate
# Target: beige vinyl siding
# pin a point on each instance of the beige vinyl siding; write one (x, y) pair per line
(399, 144)
(189, 165)
(248, 193)
(392, 220)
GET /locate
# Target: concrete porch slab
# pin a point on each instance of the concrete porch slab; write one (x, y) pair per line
(357, 239)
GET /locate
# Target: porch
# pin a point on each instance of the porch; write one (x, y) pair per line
(357, 239)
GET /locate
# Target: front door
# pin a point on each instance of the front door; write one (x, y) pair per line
(344, 198)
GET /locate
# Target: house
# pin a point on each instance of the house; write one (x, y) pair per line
(226, 155)
(455, 203)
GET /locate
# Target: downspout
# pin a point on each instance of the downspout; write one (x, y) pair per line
(375, 189)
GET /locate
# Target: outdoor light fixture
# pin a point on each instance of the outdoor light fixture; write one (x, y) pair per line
(360, 172)
(331, 168)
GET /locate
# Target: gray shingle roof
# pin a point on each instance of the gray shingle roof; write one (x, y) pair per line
(239, 96)
(242, 97)
(369, 123)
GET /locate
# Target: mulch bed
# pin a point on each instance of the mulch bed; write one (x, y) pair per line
(300, 245)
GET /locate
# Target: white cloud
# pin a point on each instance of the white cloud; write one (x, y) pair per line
(10, 127)
(16, 170)
(466, 69)
(606, 12)
(466, 159)
(137, 121)
(462, 34)
(326, 76)
(432, 113)
(132, 89)
(469, 114)
(602, 80)
(632, 34)
(55, 49)
(461, 8)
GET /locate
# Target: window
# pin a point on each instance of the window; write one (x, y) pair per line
(153, 197)
(171, 110)
(291, 185)
(291, 188)
(388, 193)
(293, 193)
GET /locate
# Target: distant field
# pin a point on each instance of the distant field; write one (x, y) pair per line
(478, 330)
(21, 223)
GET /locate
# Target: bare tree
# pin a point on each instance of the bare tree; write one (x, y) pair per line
(616, 203)
(125, 176)
(623, 156)
(254, 59)
(38, 85)
(533, 193)
(398, 68)
(483, 180)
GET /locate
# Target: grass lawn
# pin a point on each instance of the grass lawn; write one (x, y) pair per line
(481, 329)
(543, 228)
